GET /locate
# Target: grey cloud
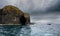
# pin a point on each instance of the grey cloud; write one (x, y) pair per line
(55, 8)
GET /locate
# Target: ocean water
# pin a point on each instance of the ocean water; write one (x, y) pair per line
(30, 30)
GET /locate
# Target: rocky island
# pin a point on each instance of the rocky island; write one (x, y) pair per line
(10, 15)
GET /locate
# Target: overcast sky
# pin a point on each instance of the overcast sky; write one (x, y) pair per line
(41, 10)
(30, 5)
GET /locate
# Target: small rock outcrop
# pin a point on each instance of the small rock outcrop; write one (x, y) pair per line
(27, 16)
(10, 15)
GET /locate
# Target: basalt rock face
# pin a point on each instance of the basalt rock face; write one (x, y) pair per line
(0, 16)
(10, 15)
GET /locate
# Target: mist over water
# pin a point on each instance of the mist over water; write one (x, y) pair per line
(46, 18)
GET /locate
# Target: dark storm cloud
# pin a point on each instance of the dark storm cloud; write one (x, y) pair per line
(50, 8)
(55, 8)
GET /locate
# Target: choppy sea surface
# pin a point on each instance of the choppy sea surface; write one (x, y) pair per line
(36, 29)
